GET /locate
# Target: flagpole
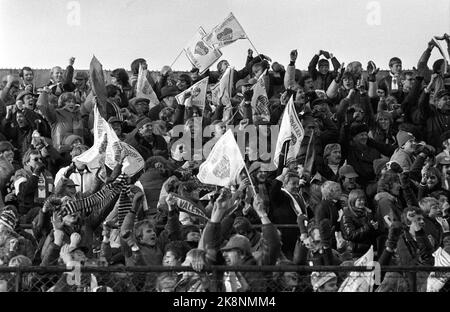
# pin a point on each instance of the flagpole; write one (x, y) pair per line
(253, 46)
(250, 178)
(176, 59)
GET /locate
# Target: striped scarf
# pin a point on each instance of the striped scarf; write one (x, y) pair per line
(96, 201)
(124, 204)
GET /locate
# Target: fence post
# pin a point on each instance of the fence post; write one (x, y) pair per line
(414, 281)
(18, 280)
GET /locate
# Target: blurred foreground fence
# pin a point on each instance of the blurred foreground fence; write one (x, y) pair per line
(283, 278)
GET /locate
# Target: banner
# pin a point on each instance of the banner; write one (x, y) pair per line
(260, 102)
(224, 163)
(360, 281)
(133, 161)
(198, 94)
(144, 88)
(437, 280)
(97, 80)
(200, 54)
(290, 129)
(188, 206)
(226, 33)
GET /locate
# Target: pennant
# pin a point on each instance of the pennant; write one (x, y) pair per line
(360, 281)
(215, 91)
(133, 162)
(144, 88)
(201, 54)
(226, 33)
(260, 102)
(97, 80)
(437, 280)
(189, 207)
(226, 84)
(198, 94)
(290, 129)
(224, 163)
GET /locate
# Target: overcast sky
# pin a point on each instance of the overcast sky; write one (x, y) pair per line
(45, 33)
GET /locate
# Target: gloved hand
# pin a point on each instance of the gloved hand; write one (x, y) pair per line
(395, 167)
(248, 95)
(395, 231)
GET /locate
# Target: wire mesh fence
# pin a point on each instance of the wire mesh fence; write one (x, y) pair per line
(224, 279)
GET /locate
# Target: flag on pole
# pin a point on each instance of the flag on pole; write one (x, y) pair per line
(260, 102)
(226, 84)
(290, 129)
(144, 88)
(226, 33)
(198, 94)
(224, 163)
(133, 161)
(437, 280)
(201, 54)
(97, 80)
(360, 281)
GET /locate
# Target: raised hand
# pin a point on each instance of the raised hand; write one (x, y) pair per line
(294, 55)
(72, 61)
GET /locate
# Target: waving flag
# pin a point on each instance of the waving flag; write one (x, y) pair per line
(226, 84)
(198, 94)
(224, 163)
(201, 54)
(437, 280)
(290, 129)
(260, 102)
(144, 89)
(97, 80)
(133, 161)
(360, 281)
(226, 33)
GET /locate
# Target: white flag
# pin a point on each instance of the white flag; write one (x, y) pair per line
(200, 54)
(133, 161)
(437, 280)
(198, 94)
(144, 89)
(360, 281)
(290, 129)
(443, 52)
(224, 163)
(260, 102)
(226, 33)
(226, 84)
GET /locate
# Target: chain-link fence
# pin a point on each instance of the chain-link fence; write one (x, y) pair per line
(225, 279)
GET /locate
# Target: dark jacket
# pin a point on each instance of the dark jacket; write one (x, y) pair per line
(145, 148)
(322, 82)
(357, 229)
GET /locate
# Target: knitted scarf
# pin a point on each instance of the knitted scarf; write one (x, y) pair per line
(124, 204)
(97, 200)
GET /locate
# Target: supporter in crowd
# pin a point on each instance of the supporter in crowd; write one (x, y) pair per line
(370, 174)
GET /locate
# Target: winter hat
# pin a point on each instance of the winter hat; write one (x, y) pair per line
(254, 167)
(8, 219)
(5, 146)
(70, 139)
(238, 242)
(323, 62)
(357, 129)
(19, 260)
(242, 225)
(22, 94)
(143, 121)
(329, 148)
(403, 137)
(379, 164)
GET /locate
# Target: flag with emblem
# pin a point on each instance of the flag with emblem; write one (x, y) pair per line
(437, 280)
(224, 163)
(260, 102)
(291, 129)
(360, 281)
(144, 88)
(226, 33)
(201, 54)
(198, 94)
